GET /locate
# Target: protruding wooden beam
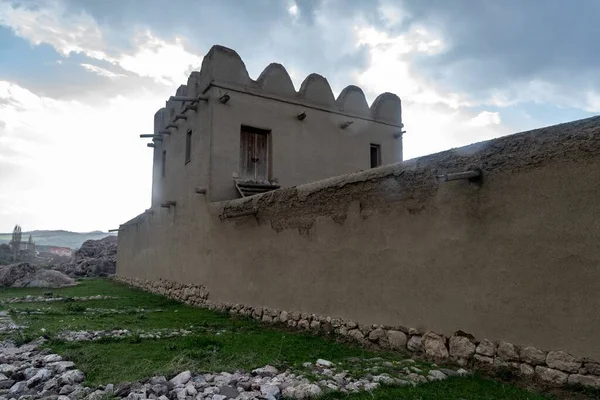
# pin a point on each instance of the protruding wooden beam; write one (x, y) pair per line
(168, 204)
(149, 135)
(471, 175)
(150, 144)
(187, 98)
(225, 98)
(346, 124)
(113, 230)
(399, 134)
(240, 214)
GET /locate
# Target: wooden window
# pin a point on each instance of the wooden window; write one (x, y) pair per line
(163, 164)
(188, 146)
(254, 154)
(375, 155)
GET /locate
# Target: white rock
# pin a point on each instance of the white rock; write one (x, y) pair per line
(324, 363)
(269, 389)
(307, 390)
(486, 348)
(41, 376)
(181, 379)
(71, 377)
(191, 390)
(266, 371)
(585, 380)
(436, 375)
(62, 397)
(371, 386)
(551, 375)
(562, 361)
(18, 387)
(218, 397)
(61, 366)
(52, 358)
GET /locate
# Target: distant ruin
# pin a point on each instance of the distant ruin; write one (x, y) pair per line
(498, 239)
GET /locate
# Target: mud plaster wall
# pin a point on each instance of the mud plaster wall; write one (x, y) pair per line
(301, 150)
(516, 258)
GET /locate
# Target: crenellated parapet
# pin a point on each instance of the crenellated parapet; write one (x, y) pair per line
(223, 67)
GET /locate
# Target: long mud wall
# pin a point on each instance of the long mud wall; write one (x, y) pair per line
(515, 257)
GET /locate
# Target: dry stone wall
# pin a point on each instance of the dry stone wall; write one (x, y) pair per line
(555, 368)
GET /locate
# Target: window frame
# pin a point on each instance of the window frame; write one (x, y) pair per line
(378, 161)
(188, 146)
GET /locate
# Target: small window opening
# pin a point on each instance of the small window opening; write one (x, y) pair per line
(375, 155)
(188, 146)
(163, 165)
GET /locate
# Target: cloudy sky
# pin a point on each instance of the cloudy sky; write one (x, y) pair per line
(81, 79)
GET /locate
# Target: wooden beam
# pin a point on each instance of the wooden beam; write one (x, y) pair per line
(150, 144)
(240, 214)
(472, 174)
(192, 99)
(168, 204)
(113, 230)
(149, 135)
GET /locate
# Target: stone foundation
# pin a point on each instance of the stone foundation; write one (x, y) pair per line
(555, 368)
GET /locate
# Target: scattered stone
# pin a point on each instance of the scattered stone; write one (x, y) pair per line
(461, 347)
(324, 363)
(181, 379)
(527, 370)
(507, 351)
(397, 340)
(377, 335)
(436, 375)
(585, 380)
(414, 344)
(266, 371)
(434, 346)
(71, 377)
(486, 348)
(552, 376)
(532, 356)
(592, 368)
(562, 361)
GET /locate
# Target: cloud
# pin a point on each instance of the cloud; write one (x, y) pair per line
(507, 49)
(66, 160)
(101, 71)
(85, 77)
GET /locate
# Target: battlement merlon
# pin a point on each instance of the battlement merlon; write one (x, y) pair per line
(223, 67)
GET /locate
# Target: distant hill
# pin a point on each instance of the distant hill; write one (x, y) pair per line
(73, 240)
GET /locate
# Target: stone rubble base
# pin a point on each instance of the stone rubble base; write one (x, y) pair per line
(49, 299)
(554, 368)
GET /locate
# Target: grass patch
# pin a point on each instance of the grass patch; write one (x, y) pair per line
(472, 388)
(225, 344)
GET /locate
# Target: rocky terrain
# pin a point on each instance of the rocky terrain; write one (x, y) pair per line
(28, 275)
(27, 370)
(95, 258)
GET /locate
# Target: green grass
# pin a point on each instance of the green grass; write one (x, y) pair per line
(225, 344)
(472, 388)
